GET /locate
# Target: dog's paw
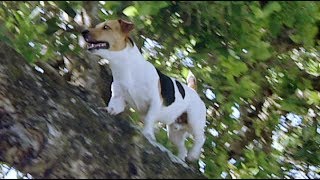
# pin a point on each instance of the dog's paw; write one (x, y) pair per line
(182, 156)
(150, 136)
(114, 110)
(115, 106)
(110, 110)
(192, 157)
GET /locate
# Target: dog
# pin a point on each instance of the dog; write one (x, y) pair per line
(155, 96)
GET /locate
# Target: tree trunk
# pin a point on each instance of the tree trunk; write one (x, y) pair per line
(51, 129)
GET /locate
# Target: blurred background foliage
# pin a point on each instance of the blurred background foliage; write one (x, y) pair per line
(257, 65)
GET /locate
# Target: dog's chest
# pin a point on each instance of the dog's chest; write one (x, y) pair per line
(135, 95)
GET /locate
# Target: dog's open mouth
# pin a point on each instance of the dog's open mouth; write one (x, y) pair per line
(97, 45)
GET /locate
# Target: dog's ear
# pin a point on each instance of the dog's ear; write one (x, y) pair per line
(126, 26)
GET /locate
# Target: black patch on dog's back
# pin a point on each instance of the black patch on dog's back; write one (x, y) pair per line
(181, 89)
(167, 89)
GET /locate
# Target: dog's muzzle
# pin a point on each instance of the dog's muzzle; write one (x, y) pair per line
(92, 43)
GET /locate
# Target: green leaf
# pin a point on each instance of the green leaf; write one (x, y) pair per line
(66, 7)
(275, 27)
(150, 8)
(270, 8)
(262, 51)
(130, 11)
(234, 67)
(185, 72)
(52, 26)
(313, 97)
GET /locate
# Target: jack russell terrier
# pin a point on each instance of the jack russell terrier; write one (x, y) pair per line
(155, 96)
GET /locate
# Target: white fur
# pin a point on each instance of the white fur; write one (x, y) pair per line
(136, 83)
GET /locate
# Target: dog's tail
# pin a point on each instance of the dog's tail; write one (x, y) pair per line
(192, 81)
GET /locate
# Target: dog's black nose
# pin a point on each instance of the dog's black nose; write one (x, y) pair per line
(84, 33)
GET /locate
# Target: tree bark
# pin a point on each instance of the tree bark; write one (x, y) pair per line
(51, 129)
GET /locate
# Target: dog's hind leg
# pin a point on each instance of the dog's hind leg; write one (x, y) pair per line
(196, 121)
(177, 137)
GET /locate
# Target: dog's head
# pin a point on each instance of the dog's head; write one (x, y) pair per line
(110, 35)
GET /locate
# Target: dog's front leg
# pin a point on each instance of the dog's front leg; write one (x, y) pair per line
(117, 103)
(150, 120)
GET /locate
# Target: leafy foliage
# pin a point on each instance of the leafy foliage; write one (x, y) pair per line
(260, 60)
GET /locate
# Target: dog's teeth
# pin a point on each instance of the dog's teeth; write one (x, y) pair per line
(97, 45)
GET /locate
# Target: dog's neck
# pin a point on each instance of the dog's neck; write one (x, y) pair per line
(126, 55)
(124, 61)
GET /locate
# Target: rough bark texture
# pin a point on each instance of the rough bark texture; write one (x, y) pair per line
(54, 130)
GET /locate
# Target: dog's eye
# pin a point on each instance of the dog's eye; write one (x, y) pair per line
(106, 27)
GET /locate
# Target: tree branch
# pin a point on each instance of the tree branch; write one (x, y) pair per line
(53, 130)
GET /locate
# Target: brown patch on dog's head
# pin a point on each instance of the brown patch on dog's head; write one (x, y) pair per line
(112, 35)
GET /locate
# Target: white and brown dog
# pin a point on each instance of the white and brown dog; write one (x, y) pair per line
(157, 97)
